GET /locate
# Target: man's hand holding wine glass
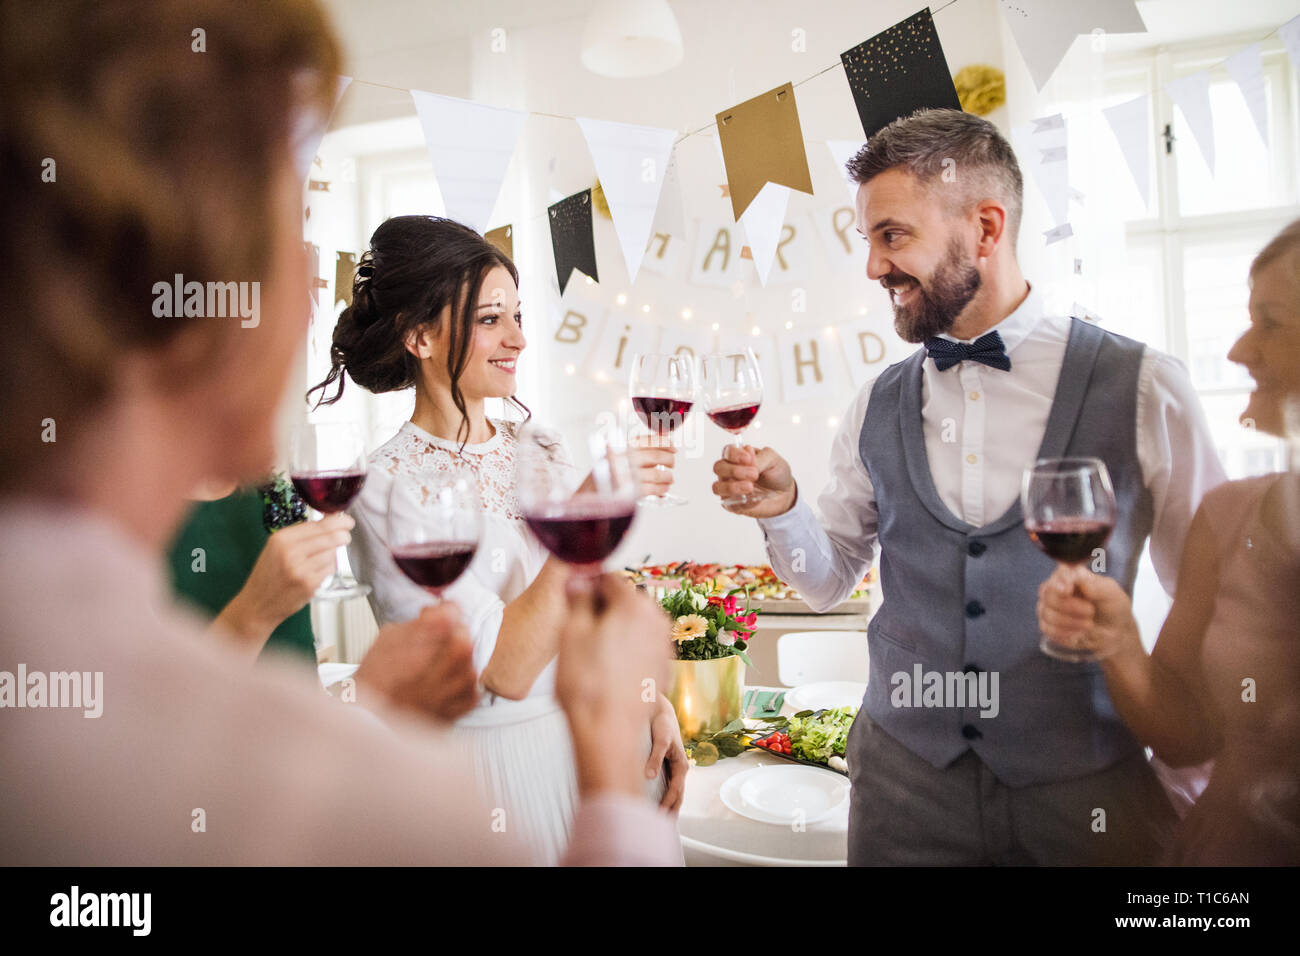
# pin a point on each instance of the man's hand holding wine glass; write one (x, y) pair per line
(743, 470)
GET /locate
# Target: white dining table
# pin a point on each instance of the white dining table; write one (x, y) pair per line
(713, 835)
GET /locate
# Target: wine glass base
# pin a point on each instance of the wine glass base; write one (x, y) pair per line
(1069, 654)
(342, 592)
(661, 501)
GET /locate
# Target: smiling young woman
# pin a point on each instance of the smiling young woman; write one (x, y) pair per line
(436, 309)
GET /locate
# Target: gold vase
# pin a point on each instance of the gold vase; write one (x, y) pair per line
(707, 695)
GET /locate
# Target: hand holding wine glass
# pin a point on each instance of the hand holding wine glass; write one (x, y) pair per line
(581, 523)
(731, 391)
(662, 390)
(1069, 512)
(434, 526)
(327, 465)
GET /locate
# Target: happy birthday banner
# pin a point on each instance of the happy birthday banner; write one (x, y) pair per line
(762, 148)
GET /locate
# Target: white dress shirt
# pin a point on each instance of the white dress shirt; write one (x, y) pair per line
(983, 427)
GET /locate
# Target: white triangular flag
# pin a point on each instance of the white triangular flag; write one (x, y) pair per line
(1191, 94)
(670, 217)
(1044, 30)
(470, 146)
(313, 131)
(1290, 34)
(631, 162)
(1131, 124)
(763, 220)
(842, 150)
(1247, 68)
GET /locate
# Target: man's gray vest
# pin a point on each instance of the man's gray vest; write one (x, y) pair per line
(960, 598)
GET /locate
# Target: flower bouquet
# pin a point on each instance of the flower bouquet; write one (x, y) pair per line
(710, 633)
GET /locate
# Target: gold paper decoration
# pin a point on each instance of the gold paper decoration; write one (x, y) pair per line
(981, 88)
(599, 201)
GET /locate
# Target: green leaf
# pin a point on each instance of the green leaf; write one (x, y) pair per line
(735, 725)
(743, 656)
(805, 713)
(728, 745)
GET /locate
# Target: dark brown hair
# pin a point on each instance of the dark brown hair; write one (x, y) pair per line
(128, 155)
(416, 266)
(934, 145)
(1286, 244)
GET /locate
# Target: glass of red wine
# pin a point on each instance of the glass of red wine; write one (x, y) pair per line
(327, 465)
(1069, 511)
(581, 522)
(662, 390)
(731, 390)
(434, 526)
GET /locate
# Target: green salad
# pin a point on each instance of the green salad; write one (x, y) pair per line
(822, 735)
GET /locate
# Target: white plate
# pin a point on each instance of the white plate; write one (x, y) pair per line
(777, 794)
(826, 694)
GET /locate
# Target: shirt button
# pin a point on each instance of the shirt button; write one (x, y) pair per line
(976, 548)
(974, 396)
(971, 459)
(974, 608)
(971, 732)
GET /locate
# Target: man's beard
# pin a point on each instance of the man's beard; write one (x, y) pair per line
(935, 309)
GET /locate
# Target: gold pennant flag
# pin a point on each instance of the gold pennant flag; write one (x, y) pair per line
(502, 238)
(762, 142)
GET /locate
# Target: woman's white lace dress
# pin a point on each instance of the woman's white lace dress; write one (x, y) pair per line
(521, 750)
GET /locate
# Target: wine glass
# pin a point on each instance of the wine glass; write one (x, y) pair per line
(1069, 511)
(434, 526)
(662, 390)
(731, 390)
(327, 465)
(581, 522)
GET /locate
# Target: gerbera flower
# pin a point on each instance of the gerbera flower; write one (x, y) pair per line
(688, 627)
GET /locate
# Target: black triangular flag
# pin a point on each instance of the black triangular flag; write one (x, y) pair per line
(899, 71)
(571, 237)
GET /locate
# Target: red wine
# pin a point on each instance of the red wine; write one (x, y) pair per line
(734, 419)
(436, 565)
(582, 532)
(661, 415)
(329, 491)
(1070, 541)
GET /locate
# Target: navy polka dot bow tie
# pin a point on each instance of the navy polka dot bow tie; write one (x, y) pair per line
(987, 349)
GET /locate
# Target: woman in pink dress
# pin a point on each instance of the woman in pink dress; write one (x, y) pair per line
(1223, 680)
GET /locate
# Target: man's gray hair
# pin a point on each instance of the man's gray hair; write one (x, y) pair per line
(961, 152)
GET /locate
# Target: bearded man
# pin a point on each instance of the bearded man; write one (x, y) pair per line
(927, 464)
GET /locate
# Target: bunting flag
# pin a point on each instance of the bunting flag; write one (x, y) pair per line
(631, 162)
(1290, 34)
(1042, 150)
(842, 150)
(345, 269)
(1247, 68)
(313, 131)
(899, 71)
(1191, 94)
(670, 218)
(470, 146)
(503, 238)
(571, 237)
(763, 222)
(1044, 30)
(1131, 123)
(762, 142)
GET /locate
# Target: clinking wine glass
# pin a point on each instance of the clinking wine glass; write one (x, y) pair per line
(435, 524)
(327, 465)
(580, 521)
(662, 390)
(731, 390)
(1069, 511)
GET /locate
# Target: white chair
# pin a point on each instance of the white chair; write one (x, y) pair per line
(808, 657)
